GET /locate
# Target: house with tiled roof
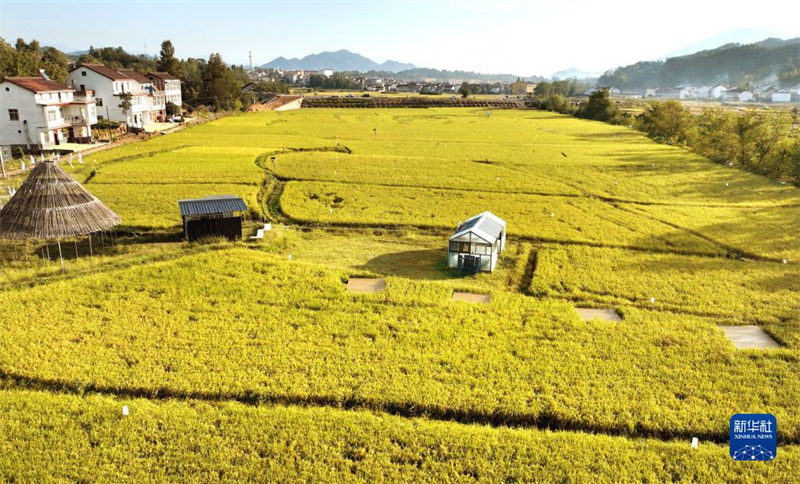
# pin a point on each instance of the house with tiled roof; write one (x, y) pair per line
(147, 100)
(170, 85)
(154, 98)
(37, 113)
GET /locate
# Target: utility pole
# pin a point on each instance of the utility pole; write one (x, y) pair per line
(251, 60)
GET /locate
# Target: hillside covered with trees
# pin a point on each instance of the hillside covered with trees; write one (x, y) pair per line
(771, 60)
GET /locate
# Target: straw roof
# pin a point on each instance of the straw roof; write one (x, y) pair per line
(50, 204)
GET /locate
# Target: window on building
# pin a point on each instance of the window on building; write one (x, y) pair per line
(98, 101)
(51, 115)
(13, 114)
(83, 73)
(459, 247)
(481, 249)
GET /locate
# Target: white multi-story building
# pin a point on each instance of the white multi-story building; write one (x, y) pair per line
(148, 102)
(108, 84)
(37, 113)
(149, 94)
(674, 93)
(169, 85)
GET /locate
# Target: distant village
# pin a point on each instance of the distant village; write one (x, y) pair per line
(302, 78)
(39, 113)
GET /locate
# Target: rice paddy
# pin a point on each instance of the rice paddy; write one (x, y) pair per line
(228, 353)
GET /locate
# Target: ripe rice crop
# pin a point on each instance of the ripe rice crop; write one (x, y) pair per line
(743, 291)
(250, 325)
(87, 439)
(551, 218)
(769, 232)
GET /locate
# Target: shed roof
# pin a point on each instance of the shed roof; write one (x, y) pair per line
(486, 225)
(213, 204)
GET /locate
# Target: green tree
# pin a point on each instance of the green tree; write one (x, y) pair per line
(125, 102)
(666, 121)
(600, 107)
(166, 60)
(220, 87)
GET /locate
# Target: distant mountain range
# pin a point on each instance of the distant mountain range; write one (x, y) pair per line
(574, 73)
(729, 37)
(774, 61)
(341, 60)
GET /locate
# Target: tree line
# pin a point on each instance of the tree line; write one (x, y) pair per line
(205, 83)
(738, 65)
(763, 142)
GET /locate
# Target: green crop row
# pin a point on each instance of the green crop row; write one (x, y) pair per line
(244, 324)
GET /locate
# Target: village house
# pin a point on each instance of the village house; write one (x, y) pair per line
(522, 88)
(782, 96)
(718, 91)
(674, 93)
(37, 113)
(107, 85)
(169, 85)
(149, 94)
(152, 102)
(739, 95)
(702, 92)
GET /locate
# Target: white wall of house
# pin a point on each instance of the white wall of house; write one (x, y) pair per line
(82, 114)
(38, 117)
(702, 92)
(718, 91)
(172, 91)
(106, 92)
(781, 97)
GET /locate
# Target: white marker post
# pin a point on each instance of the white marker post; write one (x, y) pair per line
(695, 442)
(80, 158)
(2, 164)
(125, 411)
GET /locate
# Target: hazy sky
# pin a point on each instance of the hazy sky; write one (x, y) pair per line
(515, 36)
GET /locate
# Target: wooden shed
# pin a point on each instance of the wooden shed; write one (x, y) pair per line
(213, 216)
(476, 243)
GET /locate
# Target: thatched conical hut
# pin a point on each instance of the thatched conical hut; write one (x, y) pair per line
(52, 205)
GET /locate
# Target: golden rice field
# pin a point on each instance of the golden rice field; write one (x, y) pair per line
(250, 360)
